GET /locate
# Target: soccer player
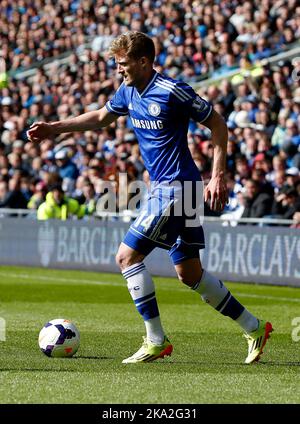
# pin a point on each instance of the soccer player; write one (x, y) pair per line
(160, 109)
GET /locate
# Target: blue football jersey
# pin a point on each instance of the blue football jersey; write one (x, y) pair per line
(160, 117)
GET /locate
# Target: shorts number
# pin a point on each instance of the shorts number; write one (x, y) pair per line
(144, 222)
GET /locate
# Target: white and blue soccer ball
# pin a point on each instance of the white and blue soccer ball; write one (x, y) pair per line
(59, 338)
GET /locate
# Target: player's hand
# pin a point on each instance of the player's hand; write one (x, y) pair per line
(39, 131)
(216, 192)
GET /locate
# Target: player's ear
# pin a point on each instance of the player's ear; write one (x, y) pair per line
(143, 61)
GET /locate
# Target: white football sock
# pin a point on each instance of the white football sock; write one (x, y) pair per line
(216, 294)
(142, 291)
(247, 321)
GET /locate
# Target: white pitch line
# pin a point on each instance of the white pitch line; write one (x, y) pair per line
(285, 299)
(60, 280)
(116, 284)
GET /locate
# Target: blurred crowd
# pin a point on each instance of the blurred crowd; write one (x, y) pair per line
(194, 40)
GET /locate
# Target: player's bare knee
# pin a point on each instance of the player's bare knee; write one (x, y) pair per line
(188, 278)
(189, 272)
(124, 259)
(183, 278)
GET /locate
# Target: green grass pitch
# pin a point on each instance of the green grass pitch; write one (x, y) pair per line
(206, 365)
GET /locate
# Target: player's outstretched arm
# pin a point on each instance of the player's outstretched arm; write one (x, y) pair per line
(216, 190)
(87, 121)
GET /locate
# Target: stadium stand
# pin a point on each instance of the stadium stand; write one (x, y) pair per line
(54, 64)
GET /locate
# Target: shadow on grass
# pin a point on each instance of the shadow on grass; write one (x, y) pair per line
(92, 357)
(234, 364)
(55, 362)
(280, 364)
(163, 366)
(37, 369)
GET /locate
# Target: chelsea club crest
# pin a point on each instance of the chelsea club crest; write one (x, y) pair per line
(154, 109)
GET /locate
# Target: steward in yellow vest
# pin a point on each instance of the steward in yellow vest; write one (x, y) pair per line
(59, 206)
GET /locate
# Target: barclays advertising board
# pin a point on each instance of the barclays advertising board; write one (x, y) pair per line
(269, 255)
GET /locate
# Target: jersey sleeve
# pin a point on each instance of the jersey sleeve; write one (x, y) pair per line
(188, 102)
(118, 104)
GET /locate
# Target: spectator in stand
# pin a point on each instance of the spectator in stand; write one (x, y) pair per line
(259, 176)
(11, 196)
(279, 181)
(66, 168)
(262, 50)
(136, 160)
(257, 203)
(264, 145)
(78, 193)
(38, 197)
(227, 97)
(3, 192)
(89, 197)
(292, 136)
(286, 203)
(278, 164)
(292, 177)
(249, 148)
(233, 190)
(26, 186)
(232, 151)
(242, 169)
(4, 165)
(296, 220)
(278, 136)
(264, 121)
(289, 152)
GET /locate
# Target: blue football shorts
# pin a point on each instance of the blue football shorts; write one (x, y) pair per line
(165, 222)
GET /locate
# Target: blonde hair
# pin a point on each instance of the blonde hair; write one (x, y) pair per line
(134, 44)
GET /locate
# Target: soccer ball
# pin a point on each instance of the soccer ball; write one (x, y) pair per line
(59, 338)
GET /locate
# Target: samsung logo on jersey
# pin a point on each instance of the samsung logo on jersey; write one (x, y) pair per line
(147, 125)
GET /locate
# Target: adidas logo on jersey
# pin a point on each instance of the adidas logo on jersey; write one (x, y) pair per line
(130, 107)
